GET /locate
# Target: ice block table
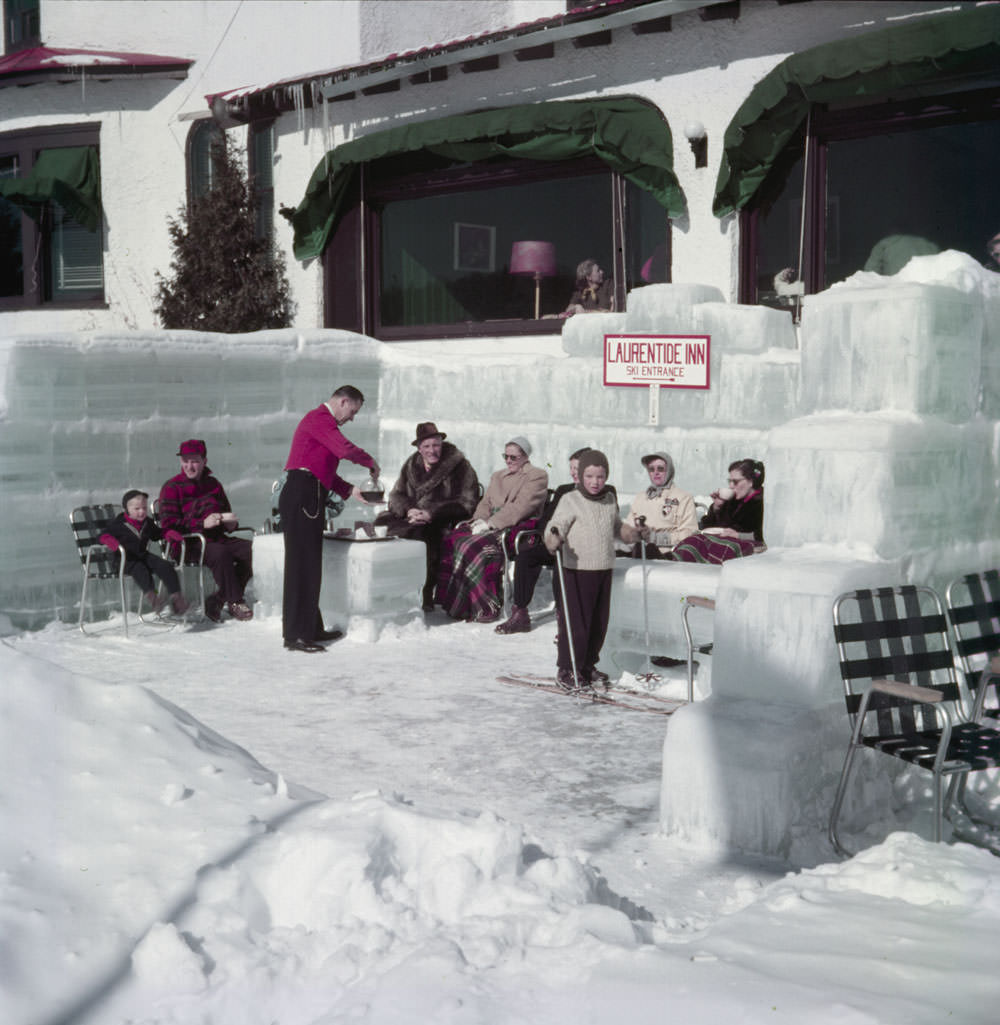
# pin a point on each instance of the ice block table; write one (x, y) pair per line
(366, 584)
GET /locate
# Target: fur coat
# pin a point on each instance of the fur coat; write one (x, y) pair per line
(449, 488)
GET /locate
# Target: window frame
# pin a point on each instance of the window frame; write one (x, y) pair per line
(37, 238)
(196, 188)
(830, 123)
(263, 195)
(30, 39)
(352, 259)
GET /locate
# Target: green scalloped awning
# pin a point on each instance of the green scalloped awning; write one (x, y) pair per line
(951, 46)
(71, 175)
(628, 134)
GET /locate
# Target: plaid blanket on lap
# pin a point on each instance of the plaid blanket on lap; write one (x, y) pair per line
(711, 548)
(469, 584)
(470, 573)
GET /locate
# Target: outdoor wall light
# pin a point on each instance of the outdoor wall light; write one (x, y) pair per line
(694, 132)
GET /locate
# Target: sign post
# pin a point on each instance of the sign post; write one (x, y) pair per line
(655, 361)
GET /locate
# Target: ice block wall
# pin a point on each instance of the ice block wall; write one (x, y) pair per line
(84, 417)
(553, 392)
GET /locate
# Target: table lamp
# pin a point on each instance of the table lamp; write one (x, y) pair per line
(535, 259)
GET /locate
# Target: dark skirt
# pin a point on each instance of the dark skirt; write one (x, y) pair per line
(712, 548)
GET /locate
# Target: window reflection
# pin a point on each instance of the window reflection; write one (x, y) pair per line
(445, 259)
(881, 196)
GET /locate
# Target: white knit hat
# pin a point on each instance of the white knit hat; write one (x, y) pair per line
(522, 443)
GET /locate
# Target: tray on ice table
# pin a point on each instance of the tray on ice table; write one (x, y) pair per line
(332, 535)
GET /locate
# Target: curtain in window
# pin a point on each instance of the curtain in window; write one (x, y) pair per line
(628, 134)
(918, 56)
(70, 175)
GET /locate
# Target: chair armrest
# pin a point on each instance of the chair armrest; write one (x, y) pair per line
(201, 552)
(908, 691)
(104, 554)
(701, 603)
(917, 695)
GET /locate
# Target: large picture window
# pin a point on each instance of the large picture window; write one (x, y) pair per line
(882, 184)
(439, 241)
(204, 140)
(51, 241)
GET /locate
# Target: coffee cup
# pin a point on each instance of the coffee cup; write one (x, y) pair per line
(726, 493)
(381, 531)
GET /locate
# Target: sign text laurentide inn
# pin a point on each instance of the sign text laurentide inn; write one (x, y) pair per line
(670, 361)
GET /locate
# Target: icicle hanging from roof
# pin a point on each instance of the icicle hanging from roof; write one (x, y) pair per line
(327, 136)
(297, 93)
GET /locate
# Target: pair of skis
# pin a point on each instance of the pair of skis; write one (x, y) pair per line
(617, 696)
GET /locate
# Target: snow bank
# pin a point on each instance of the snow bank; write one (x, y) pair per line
(160, 874)
(113, 800)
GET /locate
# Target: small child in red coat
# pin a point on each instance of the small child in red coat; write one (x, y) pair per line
(130, 532)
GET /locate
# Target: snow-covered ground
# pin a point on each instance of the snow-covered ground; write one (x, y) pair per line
(200, 828)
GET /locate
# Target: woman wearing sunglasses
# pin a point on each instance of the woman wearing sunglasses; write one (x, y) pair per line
(734, 524)
(470, 584)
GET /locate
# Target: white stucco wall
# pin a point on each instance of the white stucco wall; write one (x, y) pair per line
(233, 43)
(399, 27)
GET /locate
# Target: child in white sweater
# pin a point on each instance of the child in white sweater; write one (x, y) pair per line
(584, 527)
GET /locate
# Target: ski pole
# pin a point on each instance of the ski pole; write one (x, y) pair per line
(565, 610)
(641, 522)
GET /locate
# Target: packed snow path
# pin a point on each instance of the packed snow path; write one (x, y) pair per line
(419, 715)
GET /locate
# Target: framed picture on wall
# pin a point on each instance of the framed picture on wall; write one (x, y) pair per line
(475, 247)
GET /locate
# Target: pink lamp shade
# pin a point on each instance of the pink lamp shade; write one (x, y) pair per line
(535, 258)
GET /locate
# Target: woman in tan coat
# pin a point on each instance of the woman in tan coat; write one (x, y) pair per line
(470, 584)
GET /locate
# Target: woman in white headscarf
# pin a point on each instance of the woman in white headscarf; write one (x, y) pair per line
(663, 514)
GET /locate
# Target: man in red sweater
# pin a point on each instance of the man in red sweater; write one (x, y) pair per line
(316, 451)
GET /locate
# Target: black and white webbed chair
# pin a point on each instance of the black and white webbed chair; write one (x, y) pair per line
(973, 603)
(88, 523)
(904, 696)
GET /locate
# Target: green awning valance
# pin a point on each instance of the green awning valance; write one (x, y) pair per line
(628, 134)
(70, 175)
(960, 44)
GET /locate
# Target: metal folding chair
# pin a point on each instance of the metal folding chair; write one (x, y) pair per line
(694, 601)
(191, 555)
(88, 522)
(973, 603)
(904, 697)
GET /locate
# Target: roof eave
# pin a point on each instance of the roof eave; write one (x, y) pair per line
(343, 82)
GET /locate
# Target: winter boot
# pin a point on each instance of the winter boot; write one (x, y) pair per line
(568, 680)
(519, 622)
(179, 603)
(597, 678)
(239, 610)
